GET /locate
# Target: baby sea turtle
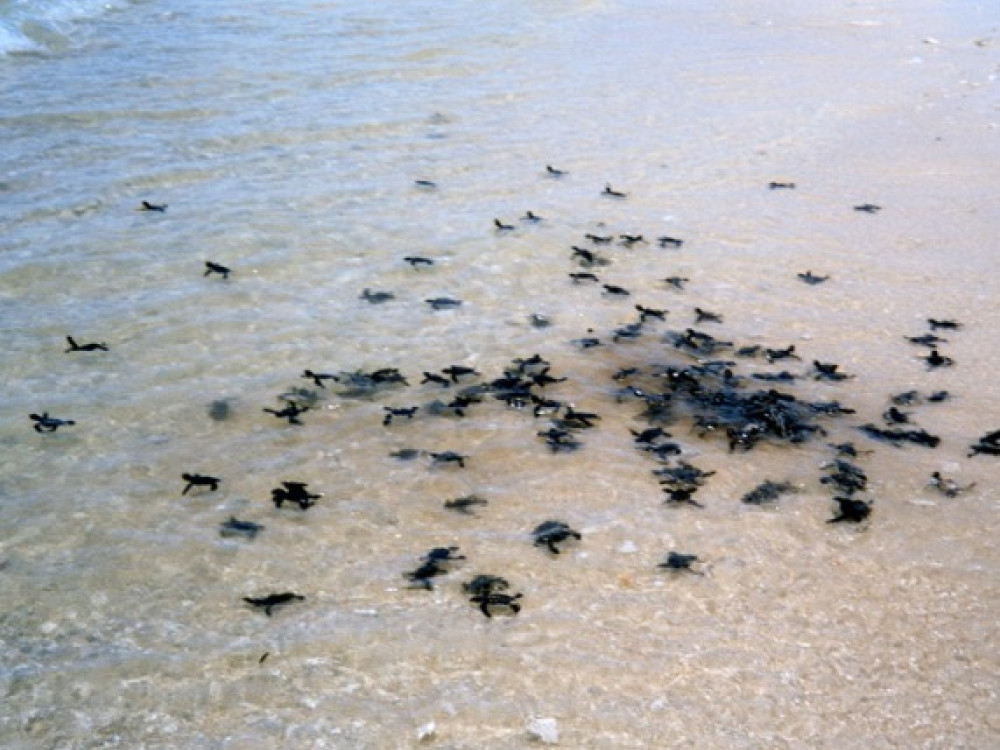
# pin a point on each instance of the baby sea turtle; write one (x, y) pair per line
(406, 454)
(269, 602)
(433, 563)
(588, 258)
(296, 493)
(91, 347)
(559, 440)
(893, 415)
(645, 313)
(773, 355)
(464, 504)
(457, 371)
(291, 412)
(442, 555)
(669, 242)
(846, 477)
(851, 509)
(767, 492)
(588, 342)
(627, 240)
(703, 316)
(485, 584)
(929, 340)
(318, 377)
(542, 379)
(497, 599)
(487, 591)
(988, 445)
(376, 298)
(448, 457)
(235, 527)
(680, 562)
(812, 279)
(443, 303)
(936, 359)
(550, 533)
(431, 377)
(44, 423)
(680, 495)
(847, 449)
(628, 332)
(216, 268)
(615, 291)
(948, 487)
(829, 371)
(200, 480)
(392, 412)
(677, 282)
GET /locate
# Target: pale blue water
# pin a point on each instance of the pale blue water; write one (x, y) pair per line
(285, 139)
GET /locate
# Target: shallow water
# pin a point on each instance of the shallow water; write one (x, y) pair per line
(286, 141)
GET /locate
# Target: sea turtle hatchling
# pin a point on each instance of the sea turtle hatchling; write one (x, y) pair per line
(550, 533)
(680, 561)
(433, 563)
(487, 591)
(496, 599)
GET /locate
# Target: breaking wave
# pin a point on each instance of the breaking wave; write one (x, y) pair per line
(38, 26)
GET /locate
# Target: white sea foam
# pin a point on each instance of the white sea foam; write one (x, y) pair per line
(40, 25)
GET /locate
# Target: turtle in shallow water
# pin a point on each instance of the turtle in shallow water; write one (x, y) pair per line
(269, 602)
(496, 599)
(464, 504)
(948, 487)
(448, 457)
(851, 509)
(680, 562)
(485, 584)
(236, 527)
(550, 533)
(433, 563)
(487, 591)
(44, 423)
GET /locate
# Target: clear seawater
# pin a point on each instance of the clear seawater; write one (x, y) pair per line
(285, 140)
